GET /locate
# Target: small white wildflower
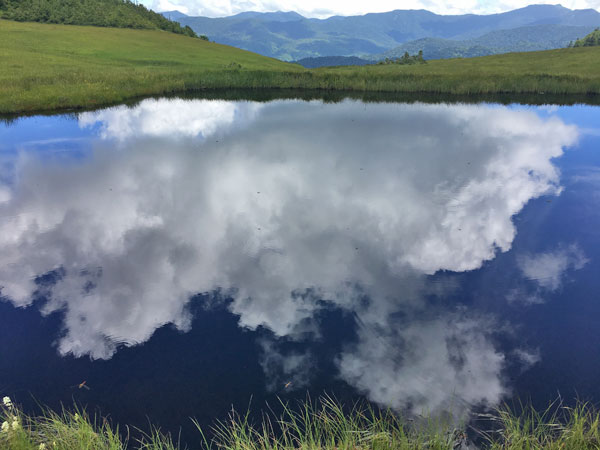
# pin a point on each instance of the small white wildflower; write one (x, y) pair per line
(15, 424)
(5, 427)
(7, 402)
(76, 417)
(42, 446)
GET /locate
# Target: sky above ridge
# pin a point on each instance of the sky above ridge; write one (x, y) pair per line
(326, 8)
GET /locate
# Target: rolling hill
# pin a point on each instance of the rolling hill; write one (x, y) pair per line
(290, 36)
(48, 66)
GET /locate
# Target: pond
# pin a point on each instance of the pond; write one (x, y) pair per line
(181, 256)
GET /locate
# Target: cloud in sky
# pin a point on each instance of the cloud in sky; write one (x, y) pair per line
(298, 208)
(323, 9)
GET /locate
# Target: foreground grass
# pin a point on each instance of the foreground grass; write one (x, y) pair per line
(57, 67)
(556, 428)
(327, 426)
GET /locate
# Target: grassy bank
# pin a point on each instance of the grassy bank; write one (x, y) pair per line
(53, 67)
(46, 67)
(327, 426)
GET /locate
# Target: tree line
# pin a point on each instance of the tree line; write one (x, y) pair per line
(591, 40)
(101, 13)
(406, 59)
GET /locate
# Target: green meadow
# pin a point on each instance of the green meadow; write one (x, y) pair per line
(60, 67)
(48, 67)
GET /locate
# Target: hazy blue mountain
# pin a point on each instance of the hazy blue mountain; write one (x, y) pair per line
(174, 15)
(328, 61)
(279, 16)
(522, 39)
(290, 36)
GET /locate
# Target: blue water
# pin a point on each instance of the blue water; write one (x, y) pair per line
(184, 256)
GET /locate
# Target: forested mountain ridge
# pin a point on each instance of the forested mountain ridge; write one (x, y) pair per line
(591, 40)
(290, 36)
(523, 39)
(103, 13)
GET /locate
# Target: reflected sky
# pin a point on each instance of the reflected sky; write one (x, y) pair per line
(283, 210)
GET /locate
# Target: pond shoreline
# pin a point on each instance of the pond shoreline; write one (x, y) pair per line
(325, 95)
(325, 424)
(68, 67)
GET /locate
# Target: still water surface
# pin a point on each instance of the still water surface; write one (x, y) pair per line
(181, 256)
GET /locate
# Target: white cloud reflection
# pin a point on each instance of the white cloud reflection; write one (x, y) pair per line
(548, 269)
(545, 272)
(313, 201)
(441, 363)
(173, 118)
(285, 370)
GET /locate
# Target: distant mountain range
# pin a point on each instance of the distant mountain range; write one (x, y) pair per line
(290, 36)
(522, 39)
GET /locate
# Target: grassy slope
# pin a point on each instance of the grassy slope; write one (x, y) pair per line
(562, 71)
(46, 67)
(59, 66)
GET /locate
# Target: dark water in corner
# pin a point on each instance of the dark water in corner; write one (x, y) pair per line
(181, 256)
